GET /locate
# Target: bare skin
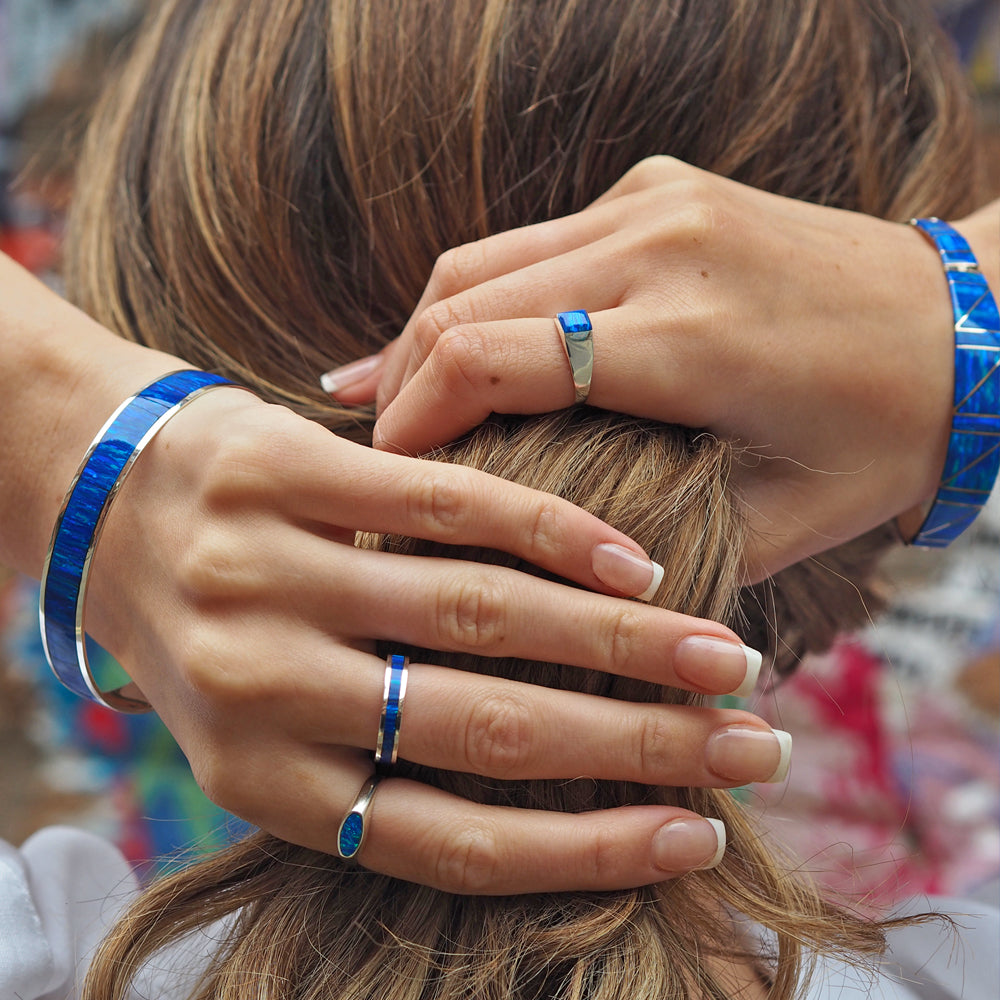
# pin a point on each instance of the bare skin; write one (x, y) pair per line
(228, 585)
(820, 338)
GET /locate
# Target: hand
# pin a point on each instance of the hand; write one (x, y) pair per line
(228, 584)
(820, 338)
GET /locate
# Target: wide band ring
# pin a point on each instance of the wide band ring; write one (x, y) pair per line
(578, 343)
(393, 695)
(353, 828)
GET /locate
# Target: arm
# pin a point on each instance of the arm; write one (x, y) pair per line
(820, 338)
(228, 585)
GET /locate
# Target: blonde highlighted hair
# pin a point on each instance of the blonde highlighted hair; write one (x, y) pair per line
(265, 192)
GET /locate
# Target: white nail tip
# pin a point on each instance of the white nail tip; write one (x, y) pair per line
(720, 833)
(647, 594)
(754, 661)
(328, 384)
(785, 742)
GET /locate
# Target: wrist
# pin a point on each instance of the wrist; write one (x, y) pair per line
(64, 376)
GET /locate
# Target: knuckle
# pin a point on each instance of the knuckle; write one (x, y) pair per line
(544, 534)
(468, 862)
(604, 858)
(220, 782)
(657, 745)
(457, 269)
(624, 641)
(652, 170)
(432, 323)
(248, 461)
(697, 218)
(462, 361)
(498, 736)
(212, 567)
(435, 506)
(218, 680)
(472, 616)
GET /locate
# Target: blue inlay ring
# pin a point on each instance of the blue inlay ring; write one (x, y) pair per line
(67, 565)
(578, 343)
(351, 834)
(393, 695)
(973, 458)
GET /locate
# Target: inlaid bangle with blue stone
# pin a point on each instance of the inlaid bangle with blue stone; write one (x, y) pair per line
(64, 578)
(973, 458)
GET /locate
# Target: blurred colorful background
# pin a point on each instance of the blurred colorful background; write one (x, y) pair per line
(895, 783)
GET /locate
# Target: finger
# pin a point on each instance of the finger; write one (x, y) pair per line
(355, 487)
(519, 366)
(451, 605)
(423, 834)
(473, 264)
(515, 731)
(542, 289)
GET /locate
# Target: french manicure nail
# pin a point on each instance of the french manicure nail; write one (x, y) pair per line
(626, 571)
(684, 845)
(719, 664)
(340, 378)
(742, 753)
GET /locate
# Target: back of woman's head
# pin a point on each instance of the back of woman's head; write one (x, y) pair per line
(265, 193)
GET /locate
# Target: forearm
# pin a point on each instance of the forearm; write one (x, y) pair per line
(64, 374)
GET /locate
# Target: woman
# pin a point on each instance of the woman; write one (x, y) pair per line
(263, 161)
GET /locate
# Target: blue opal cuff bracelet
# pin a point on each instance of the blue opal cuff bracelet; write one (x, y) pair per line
(351, 835)
(64, 578)
(393, 695)
(973, 458)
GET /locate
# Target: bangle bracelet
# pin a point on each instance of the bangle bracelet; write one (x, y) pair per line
(64, 579)
(973, 458)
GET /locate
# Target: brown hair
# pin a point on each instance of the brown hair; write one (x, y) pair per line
(265, 193)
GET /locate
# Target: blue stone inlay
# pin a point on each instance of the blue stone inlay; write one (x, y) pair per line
(575, 324)
(351, 832)
(78, 522)
(973, 459)
(390, 721)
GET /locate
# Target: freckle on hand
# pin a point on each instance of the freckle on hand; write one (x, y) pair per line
(494, 379)
(704, 274)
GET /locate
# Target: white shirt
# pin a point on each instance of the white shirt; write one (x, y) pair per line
(61, 892)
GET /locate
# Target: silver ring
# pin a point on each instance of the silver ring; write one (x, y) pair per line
(351, 834)
(393, 694)
(578, 343)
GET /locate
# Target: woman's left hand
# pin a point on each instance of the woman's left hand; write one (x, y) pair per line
(820, 338)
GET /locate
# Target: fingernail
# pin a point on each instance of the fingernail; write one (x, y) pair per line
(742, 753)
(720, 664)
(684, 845)
(340, 378)
(626, 571)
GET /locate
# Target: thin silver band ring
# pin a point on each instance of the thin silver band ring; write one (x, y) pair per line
(393, 695)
